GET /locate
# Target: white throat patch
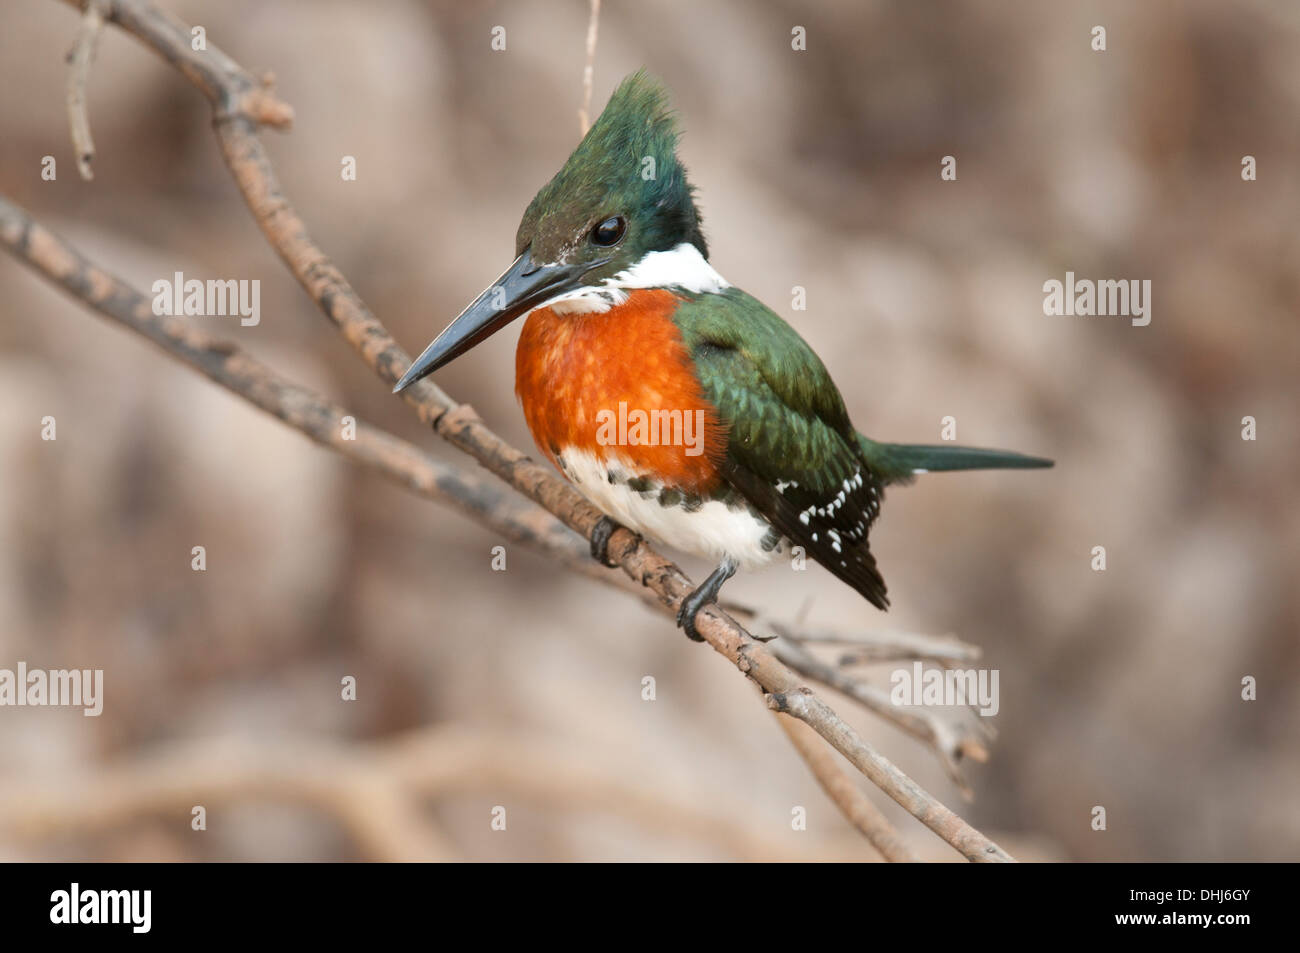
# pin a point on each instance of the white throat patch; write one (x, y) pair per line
(682, 267)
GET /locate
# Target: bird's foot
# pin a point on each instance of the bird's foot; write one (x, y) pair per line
(600, 535)
(705, 594)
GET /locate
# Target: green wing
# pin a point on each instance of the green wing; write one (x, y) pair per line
(791, 451)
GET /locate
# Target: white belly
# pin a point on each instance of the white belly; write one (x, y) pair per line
(712, 529)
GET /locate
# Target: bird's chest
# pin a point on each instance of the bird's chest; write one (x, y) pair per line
(619, 387)
(613, 399)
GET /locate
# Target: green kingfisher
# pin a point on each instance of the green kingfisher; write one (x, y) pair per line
(680, 406)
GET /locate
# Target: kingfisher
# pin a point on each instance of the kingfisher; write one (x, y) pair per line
(680, 406)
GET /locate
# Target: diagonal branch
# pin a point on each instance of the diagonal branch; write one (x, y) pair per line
(302, 409)
(952, 738)
(811, 710)
(839, 787)
(240, 105)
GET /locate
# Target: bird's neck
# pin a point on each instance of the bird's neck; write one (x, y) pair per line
(682, 268)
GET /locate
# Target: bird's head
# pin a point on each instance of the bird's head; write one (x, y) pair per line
(621, 196)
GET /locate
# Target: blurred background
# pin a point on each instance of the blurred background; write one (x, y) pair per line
(818, 169)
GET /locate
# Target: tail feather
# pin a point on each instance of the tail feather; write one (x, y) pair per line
(902, 460)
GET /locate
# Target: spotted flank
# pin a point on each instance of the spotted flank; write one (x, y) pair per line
(720, 524)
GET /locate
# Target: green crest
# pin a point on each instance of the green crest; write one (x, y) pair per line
(626, 167)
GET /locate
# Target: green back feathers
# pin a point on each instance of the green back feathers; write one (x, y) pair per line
(767, 351)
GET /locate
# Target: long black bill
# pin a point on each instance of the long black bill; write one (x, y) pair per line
(523, 287)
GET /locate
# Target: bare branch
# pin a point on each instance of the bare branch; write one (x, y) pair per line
(952, 738)
(885, 646)
(231, 90)
(808, 708)
(79, 59)
(839, 787)
(305, 411)
(588, 71)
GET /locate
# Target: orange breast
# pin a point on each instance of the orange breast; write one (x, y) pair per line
(620, 384)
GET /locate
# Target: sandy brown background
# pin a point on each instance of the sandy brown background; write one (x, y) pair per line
(818, 169)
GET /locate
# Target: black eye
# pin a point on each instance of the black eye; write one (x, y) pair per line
(609, 231)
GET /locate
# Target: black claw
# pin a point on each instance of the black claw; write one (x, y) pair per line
(600, 535)
(686, 616)
(705, 594)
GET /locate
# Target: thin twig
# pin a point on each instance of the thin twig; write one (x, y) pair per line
(79, 60)
(952, 738)
(236, 121)
(839, 787)
(226, 84)
(588, 71)
(881, 645)
(810, 709)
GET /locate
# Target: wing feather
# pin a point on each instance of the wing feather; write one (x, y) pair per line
(791, 451)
